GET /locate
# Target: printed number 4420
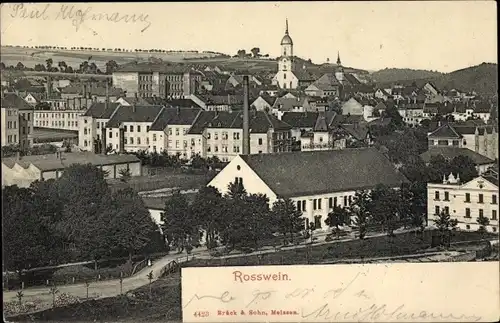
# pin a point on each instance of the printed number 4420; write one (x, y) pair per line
(201, 314)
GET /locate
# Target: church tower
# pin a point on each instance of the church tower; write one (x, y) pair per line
(286, 59)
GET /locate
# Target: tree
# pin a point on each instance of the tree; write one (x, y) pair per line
(287, 219)
(360, 209)
(49, 63)
(242, 53)
(383, 208)
(445, 223)
(464, 166)
(179, 226)
(255, 51)
(19, 66)
(207, 209)
(84, 67)
(337, 217)
(131, 228)
(63, 66)
(111, 66)
(483, 223)
(39, 67)
(236, 190)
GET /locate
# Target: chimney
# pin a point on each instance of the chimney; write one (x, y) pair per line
(246, 126)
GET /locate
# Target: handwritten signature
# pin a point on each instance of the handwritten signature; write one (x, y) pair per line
(376, 312)
(77, 16)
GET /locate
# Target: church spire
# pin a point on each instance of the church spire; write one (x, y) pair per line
(338, 59)
(286, 29)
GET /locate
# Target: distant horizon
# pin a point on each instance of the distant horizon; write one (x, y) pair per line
(439, 36)
(132, 51)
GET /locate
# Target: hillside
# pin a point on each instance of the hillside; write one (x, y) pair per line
(480, 78)
(389, 75)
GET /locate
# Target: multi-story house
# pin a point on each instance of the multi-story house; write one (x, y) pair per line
(128, 128)
(220, 134)
(17, 121)
(465, 202)
(482, 139)
(300, 176)
(169, 132)
(165, 81)
(58, 119)
(91, 91)
(92, 125)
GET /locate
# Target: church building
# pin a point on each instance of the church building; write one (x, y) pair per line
(286, 78)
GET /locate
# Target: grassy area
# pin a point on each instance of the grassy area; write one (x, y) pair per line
(164, 302)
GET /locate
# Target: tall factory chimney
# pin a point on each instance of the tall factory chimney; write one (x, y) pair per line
(246, 123)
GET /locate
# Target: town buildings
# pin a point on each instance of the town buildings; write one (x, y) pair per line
(316, 181)
(465, 202)
(161, 80)
(23, 171)
(17, 121)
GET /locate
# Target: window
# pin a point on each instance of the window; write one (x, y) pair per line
(154, 137)
(185, 143)
(236, 135)
(169, 131)
(330, 202)
(436, 209)
(216, 148)
(176, 131)
(443, 142)
(319, 204)
(350, 200)
(467, 227)
(216, 135)
(284, 77)
(494, 229)
(138, 140)
(467, 197)
(147, 128)
(446, 196)
(493, 199)
(315, 204)
(125, 141)
(345, 200)
(84, 131)
(335, 201)
(209, 149)
(131, 128)
(192, 142)
(138, 128)
(208, 135)
(436, 195)
(299, 204)
(455, 142)
(494, 215)
(177, 144)
(467, 213)
(304, 205)
(480, 198)
(260, 141)
(131, 140)
(110, 134)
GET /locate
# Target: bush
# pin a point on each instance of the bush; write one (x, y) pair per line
(212, 244)
(109, 273)
(64, 299)
(65, 275)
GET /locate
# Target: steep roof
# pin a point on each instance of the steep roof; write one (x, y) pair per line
(52, 162)
(183, 103)
(132, 100)
(300, 119)
(445, 131)
(174, 116)
(452, 152)
(14, 101)
(260, 122)
(146, 113)
(98, 110)
(287, 104)
(294, 174)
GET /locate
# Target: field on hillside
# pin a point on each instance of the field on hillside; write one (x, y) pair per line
(29, 56)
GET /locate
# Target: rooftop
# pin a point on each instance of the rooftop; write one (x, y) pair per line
(146, 113)
(53, 162)
(295, 174)
(452, 152)
(14, 101)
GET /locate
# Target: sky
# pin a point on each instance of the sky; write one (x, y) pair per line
(441, 35)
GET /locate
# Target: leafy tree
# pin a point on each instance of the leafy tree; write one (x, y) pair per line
(464, 166)
(179, 226)
(2, 65)
(62, 66)
(49, 63)
(207, 209)
(287, 219)
(337, 217)
(242, 53)
(236, 190)
(360, 209)
(198, 162)
(28, 236)
(19, 66)
(111, 66)
(131, 227)
(383, 207)
(39, 67)
(483, 223)
(255, 51)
